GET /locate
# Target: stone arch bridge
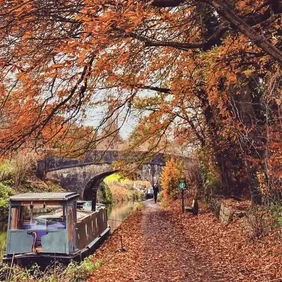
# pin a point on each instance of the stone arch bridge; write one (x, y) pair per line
(84, 176)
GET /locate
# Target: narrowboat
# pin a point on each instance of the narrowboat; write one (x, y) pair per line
(48, 227)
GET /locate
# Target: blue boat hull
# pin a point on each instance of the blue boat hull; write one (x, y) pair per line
(47, 259)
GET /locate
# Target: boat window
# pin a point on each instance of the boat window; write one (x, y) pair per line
(38, 216)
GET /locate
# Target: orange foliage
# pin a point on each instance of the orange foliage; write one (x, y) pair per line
(196, 73)
(171, 173)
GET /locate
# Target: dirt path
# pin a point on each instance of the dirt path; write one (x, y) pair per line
(166, 254)
(156, 250)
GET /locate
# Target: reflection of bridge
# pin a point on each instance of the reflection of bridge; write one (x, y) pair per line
(84, 176)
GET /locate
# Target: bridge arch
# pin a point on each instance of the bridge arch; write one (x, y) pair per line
(84, 176)
(92, 187)
(77, 176)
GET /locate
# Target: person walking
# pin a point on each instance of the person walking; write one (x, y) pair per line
(156, 191)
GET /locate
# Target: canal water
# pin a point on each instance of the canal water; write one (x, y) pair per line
(116, 214)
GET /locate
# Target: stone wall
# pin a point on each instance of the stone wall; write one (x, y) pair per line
(76, 178)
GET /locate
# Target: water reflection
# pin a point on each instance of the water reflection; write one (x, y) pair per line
(118, 213)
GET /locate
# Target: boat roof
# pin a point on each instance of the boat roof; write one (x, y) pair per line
(48, 196)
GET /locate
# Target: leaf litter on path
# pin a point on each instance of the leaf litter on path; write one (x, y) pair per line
(164, 245)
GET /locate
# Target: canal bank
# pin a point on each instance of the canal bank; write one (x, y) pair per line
(164, 245)
(120, 252)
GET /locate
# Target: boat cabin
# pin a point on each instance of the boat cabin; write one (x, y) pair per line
(53, 225)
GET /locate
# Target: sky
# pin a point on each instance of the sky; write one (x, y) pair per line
(94, 117)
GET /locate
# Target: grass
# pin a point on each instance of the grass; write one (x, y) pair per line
(124, 189)
(138, 206)
(73, 272)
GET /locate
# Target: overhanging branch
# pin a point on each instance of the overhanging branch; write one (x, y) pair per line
(167, 3)
(184, 45)
(258, 39)
(243, 25)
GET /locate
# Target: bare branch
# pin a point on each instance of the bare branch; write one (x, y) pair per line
(167, 3)
(185, 45)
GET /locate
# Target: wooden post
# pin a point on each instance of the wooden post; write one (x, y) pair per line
(94, 199)
(182, 199)
(182, 185)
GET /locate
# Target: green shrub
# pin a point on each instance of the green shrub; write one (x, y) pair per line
(74, 272)
(209, 174)
(3, 235)
(138, 206)
(5, 193)
(6, 170)
(104, 194)
(15, 274)
(276, 212)
(18, 167)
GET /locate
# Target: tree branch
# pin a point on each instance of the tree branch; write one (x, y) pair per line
(158, 89)
(244, 25)
(258, 39)
(184, 45)
(167, 3)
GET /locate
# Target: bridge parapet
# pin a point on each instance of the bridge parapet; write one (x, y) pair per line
(51, 162)
(74, 174)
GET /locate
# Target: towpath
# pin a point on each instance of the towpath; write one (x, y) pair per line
(167, 255)
(157, 250)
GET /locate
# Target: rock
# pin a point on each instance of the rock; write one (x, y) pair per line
(225, 213)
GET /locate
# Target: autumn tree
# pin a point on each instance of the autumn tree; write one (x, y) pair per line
(204, 72)
(171, 173)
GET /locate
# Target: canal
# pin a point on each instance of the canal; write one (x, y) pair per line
(116, 214)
